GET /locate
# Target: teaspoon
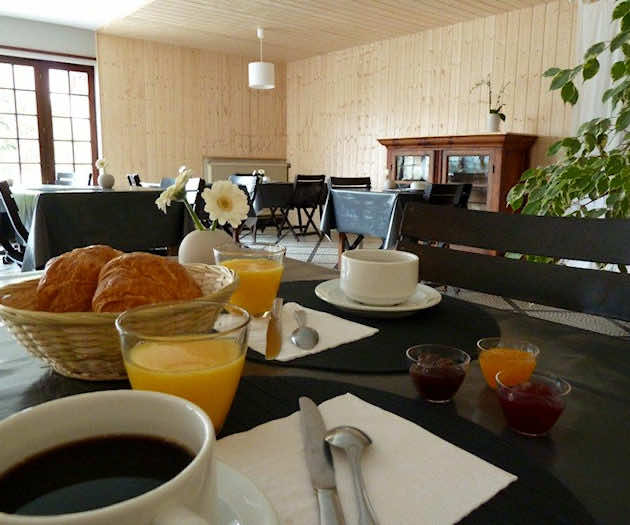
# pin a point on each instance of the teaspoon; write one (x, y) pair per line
(303, 336)
(354, 441)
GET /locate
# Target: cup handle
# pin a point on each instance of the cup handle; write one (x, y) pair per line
(178, 515)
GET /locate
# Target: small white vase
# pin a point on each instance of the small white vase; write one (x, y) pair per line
(106, 181)
(197, 246)
(493, 122)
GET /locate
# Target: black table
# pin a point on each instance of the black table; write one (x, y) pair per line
(586, 451)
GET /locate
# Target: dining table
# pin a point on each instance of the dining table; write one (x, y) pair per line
(576, 474)
(60, 218)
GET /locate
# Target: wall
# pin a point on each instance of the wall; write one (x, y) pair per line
(50, 38)
(163, 106)
(419, 85)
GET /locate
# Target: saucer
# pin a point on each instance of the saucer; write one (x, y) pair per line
(240, 501)
(423, 297)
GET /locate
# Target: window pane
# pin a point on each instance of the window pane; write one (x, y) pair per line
(61, 128)
(83, 152)
(7, 103)
(10, 171)
(8, 150)
(24, 77)
(64, 168)
(60, 105)
(29, 150)
(27, 126)
(31, 174)
(83, 172)
(58, 80)
(80, 106)
(26, 102)
(6, 75)
(78, 83)
(7, 126)
(63, 152)
(81, 129)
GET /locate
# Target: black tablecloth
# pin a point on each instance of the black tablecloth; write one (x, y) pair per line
(535, 498)
(452, 322)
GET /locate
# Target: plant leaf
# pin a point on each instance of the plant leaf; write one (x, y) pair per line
(590, 68)
(570, 93)
(621, 10)
(594, 50)
(617, 70)
(552, 71)
(623, 120)
(626, 49)
(625, 22)
(554, 148)
(560, 79)
(617, 42)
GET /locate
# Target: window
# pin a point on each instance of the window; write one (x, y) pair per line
(47, 121)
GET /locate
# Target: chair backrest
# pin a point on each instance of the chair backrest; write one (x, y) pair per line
(584, 290)
(11, 208)
(310, 178)
(199, 203)
(275, 195)
(354, 183)
(448, 194)
(251, 182)
(64, 179)
(308, 193)
(134, 179)
(192, 189)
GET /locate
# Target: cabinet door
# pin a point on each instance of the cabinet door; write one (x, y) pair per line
(416, 165)
(472, 167)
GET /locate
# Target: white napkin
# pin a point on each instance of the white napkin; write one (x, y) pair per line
(333, 331)
(412, 476)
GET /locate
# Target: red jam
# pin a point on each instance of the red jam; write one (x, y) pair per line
(437, 378)
(531, 408)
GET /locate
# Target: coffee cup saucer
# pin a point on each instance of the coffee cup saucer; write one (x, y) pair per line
(240, 501)
(423, 297)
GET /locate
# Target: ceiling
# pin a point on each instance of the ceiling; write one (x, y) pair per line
(75, 13)
(295, 29)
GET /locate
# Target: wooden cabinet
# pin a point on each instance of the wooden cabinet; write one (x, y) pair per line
(492, 163)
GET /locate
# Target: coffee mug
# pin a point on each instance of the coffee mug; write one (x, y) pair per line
(190, 497)
(378, 277)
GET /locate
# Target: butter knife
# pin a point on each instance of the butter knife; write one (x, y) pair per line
(319, 463)
(274, 330)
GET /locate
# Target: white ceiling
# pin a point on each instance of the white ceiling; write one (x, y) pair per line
(86, 14)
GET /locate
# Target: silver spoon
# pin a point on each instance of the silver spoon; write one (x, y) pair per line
(303, 336)
(354, 441)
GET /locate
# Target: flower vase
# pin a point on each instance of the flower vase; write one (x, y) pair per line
(493, 122)
(197, 246)
(106, 181)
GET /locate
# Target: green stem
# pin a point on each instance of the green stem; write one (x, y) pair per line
(194, 217)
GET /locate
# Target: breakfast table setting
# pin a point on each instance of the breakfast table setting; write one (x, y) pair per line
(254, 389)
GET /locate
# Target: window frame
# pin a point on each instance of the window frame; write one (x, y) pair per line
(44, 113)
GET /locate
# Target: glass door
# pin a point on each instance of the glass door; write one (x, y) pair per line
(473, 168)
(413, 166)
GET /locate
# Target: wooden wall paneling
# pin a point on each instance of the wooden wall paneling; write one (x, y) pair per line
(465, 80)
(489, 33)
(535, 69)
(499, 58)
(548, 60)
(455, 88)
(522, 69)
(564, 31)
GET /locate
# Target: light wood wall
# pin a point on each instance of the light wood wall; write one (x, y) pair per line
(338, 104)
(163, 106)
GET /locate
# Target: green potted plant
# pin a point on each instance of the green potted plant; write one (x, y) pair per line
(592, 178)
(495, 111)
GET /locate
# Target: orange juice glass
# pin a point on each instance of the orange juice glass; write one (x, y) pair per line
(192, 349)
(516, 360)
(259, 268)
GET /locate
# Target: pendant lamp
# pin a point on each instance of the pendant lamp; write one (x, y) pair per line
(262, 75)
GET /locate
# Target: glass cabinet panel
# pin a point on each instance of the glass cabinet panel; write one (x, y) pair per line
(472, 169)
(413, 167)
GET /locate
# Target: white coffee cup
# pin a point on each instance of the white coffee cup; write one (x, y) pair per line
(378, 277)
(190, 498)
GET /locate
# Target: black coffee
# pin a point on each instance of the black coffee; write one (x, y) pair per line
(89, 474)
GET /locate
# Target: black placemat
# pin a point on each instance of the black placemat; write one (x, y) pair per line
(452, 322)
(536, 497)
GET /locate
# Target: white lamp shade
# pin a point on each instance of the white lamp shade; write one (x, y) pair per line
(262, 75)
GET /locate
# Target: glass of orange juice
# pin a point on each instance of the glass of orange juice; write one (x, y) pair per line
(192, 349)
(515, 360)
(259, 268)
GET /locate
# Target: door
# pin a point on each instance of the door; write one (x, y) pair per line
(412, 165)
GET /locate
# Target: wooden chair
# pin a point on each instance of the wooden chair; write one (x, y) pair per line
(583, 290)
(309, 194)
(250, 181)
(134, 179)
(21, 233)
(278, 199)
(350, 183)
(64, 179)
(448, 194)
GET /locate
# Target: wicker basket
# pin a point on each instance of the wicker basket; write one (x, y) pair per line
(85, 345)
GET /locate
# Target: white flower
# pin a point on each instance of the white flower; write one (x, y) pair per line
(166, 197)
(176, 191)
(226, 202)
(258, 172)
(101, 163)
(181, 180)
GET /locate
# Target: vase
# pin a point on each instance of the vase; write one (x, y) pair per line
(493, 122)
(106, 181)
(390, 184)
(197, 246)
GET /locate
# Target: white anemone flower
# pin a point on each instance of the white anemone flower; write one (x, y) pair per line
(226, 202)
(101, 164)
(166, 197)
